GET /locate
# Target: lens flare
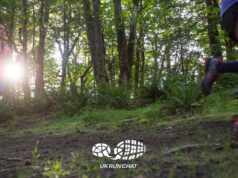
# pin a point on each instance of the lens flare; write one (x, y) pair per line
(13, 71)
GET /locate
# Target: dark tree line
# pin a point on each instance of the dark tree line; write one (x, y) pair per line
(129, 44)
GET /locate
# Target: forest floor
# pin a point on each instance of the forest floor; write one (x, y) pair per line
(202, 148)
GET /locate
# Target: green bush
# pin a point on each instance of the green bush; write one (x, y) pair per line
(6, 111)
(182, 95)
(227, 81)
(115, 97)
(67, 102)
(41, 103)
(153, 111)
(150, 93)
(219, 102)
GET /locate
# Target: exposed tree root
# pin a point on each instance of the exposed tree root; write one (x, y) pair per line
(11, 159)
(191, 147)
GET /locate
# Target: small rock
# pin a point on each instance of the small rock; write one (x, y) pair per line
(217, 140)
(46, 151)
(170, 128)
(28, 162)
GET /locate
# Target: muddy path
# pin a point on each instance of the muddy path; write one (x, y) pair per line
(15, 151)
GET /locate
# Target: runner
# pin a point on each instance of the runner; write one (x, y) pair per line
(4, 55)
(215, 67)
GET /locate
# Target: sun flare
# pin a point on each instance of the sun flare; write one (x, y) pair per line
(13, 71)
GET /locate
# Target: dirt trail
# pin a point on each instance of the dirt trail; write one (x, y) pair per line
(155, 139)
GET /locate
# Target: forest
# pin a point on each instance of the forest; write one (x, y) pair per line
(82, 72)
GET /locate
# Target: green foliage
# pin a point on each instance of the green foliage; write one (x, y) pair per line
(218, 103)
(228, 81)
(66, 101)
(92, 120)
(22, 171)
(35, 155)
(6, 111)
(40, 104)
(154, 111)
(150, 93)
(55, 169)
(171, 173)
(177, 43)
(182, 94)
(84, 167)
(115, 97)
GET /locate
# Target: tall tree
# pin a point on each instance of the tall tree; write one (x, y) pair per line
(68, 39)
(121, 43)
(95, 40)
(132, 38)
(213, 33)
(99, 41)
(24, 42)
(43, 21)
(126, 47)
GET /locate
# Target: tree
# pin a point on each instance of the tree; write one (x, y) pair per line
(95, 40)
(69, 37)
(43, 22)
(121, 43)
(213, 33)
(24, 41)
(132, 38)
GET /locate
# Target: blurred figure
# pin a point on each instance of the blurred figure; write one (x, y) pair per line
(5, 55)
(215, 67)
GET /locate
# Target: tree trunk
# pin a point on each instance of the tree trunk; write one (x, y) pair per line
(100, 58)
(64, 54)
(111, 62)
(34, 31)
(137, 65)
(25, 84)
(213, 33)
(155, 55)
(9, 93)
(121, 43)
(95, 40)
(44, 16)
(132, 38)
(142, 54)
(11, 23)
(90, 33)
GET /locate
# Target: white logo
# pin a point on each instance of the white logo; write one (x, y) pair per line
(125, 150)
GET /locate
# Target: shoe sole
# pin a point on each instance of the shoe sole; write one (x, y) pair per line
(207, 64)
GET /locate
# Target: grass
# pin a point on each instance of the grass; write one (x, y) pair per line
(219, 103)
(10, 124)
(107, 120)
(111, 120)
(217, 107)
(221, 164)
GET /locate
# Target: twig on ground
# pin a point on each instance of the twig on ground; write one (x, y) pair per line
(190, 147)
(11, 159)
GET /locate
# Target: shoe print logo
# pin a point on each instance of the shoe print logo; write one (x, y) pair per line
(125, 150)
